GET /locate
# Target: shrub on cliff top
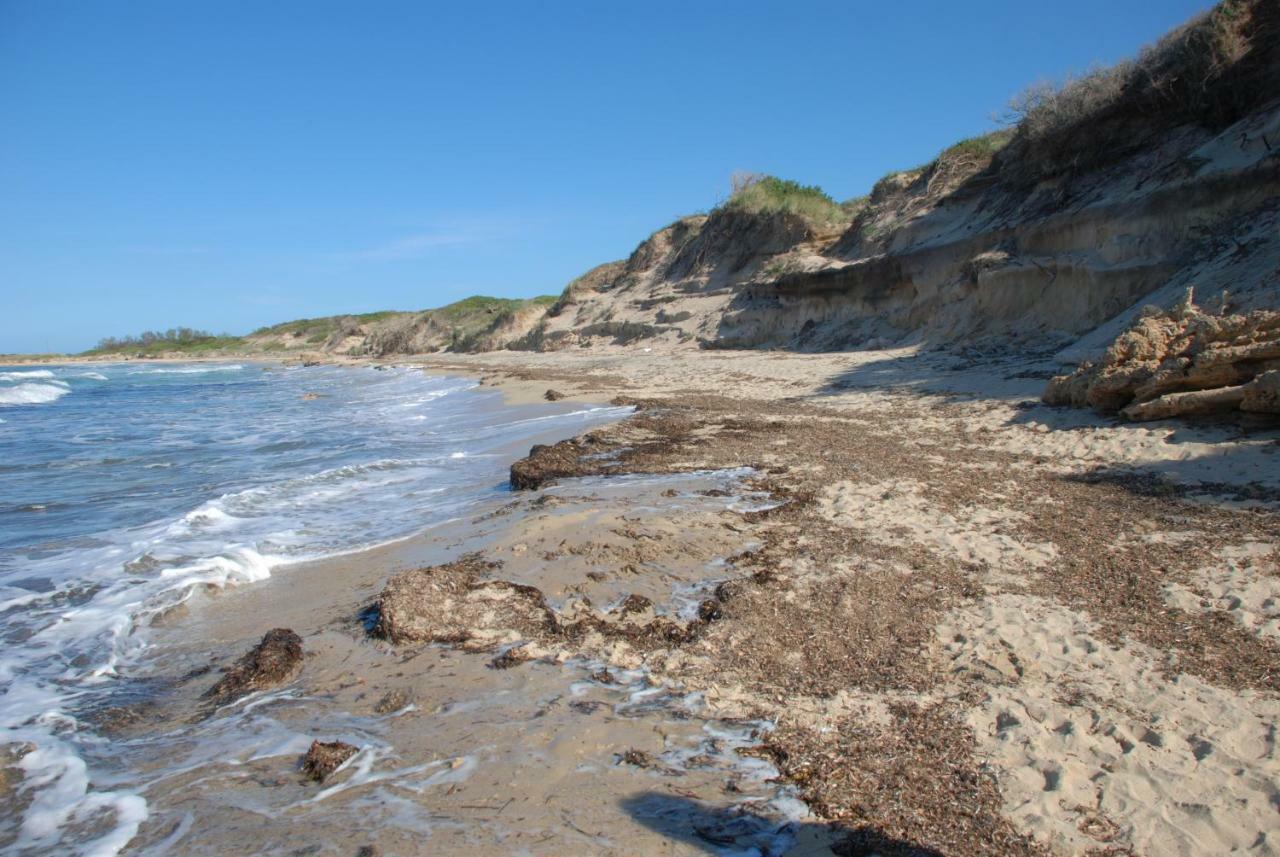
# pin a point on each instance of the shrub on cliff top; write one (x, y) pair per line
(1211, 71)
(982, 146)
(151, 342)
(770, 195)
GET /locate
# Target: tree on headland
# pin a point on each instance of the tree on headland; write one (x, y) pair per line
(173, 336)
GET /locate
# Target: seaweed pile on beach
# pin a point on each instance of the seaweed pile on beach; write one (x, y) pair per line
(829, 624)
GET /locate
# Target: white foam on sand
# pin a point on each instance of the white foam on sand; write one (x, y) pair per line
(69, 799)
(31, 710)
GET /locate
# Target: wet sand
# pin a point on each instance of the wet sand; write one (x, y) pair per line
(569, 752)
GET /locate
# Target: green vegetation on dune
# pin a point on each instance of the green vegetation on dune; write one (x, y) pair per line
(982, 146)
(971, 151)
(153, 343)
(318, 330)
(471, 324)
(461, 325)
(476, 307)
(772, 195)
(474, 321)
(463, 320)
(1210, 72)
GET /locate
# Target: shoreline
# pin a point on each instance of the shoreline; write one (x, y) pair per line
(1204, 522)
(515, 391)
(979, 624)
(323, 601)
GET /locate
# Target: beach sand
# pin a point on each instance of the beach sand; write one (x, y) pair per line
(944, 615)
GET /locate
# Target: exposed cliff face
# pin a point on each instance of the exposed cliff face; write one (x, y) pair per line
(679, 282)
(474, 324)
(950, 253)
(1048, 263)
(615, 301)
(1121, 189)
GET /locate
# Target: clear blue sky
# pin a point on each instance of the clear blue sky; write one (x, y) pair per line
(226, 165)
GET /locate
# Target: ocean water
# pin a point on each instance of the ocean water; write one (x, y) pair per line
(124, 488)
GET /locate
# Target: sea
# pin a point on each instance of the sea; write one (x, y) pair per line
(125, 488)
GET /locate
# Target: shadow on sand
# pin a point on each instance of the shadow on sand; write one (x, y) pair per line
(1215, 461)
(948, 374)
(1181, 479)
(1218, 461)
(738, 831)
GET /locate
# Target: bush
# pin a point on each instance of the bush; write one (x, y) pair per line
(173, 339)
(983, 146)
(772, 195)
(1211, 71)
(853, 207)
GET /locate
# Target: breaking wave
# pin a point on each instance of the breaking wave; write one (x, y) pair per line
(29, 375)
(31, 393)
(190, 370)
(141, 500)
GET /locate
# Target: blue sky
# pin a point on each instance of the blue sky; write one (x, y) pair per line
(227, 165)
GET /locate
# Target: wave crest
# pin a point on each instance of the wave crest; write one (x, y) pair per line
(32, 394)
(25, 375)
(189, 370)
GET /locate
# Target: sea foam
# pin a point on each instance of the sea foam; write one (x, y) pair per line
(190, 370)
(29, 375)
(31, 393)
(158, 497)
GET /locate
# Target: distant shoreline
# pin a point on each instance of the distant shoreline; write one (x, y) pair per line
(71, 360)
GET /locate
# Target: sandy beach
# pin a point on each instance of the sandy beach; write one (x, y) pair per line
(501, 432)
(857, 602)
